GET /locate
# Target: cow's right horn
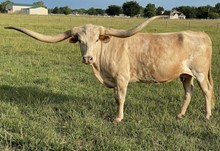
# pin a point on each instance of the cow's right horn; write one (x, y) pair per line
(132, 31)
(46, 38)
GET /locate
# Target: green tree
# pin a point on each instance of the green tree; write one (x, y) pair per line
(100, 11)
(66, 10)
(217, 8)
(141, 11)
(188, 11)
(3, 4)
(81, 11)
(203, 11)
(213, 15)
(159, 10)
(62, 10)
(39, 4)
(55, 10)
(150, 10)
(131, 8)
(91, 11)
(113, 10)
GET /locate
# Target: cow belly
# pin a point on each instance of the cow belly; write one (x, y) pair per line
(156, 74)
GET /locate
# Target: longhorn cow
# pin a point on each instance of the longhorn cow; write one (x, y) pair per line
(118, 57)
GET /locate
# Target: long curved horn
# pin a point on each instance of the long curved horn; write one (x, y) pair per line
(132, 31)
(46, 38)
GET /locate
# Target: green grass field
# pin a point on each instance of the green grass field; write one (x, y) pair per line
(49, 100)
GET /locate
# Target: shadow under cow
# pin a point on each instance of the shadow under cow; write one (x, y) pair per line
(29, 98)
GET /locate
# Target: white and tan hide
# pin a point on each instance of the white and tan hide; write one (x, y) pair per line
(118, 57)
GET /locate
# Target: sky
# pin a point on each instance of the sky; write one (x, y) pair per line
(76, 4)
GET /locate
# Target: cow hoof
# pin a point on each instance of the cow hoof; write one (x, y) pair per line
(118, 120)
(180, 116)
(208, 117)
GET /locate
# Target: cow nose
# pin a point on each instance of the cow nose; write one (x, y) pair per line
(87, 59)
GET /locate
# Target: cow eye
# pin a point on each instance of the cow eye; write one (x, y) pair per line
(97, 40)
(79, 41)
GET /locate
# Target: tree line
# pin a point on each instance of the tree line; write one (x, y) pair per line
(132, 8)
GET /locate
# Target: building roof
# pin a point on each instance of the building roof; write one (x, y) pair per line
(37, 8)
(19, 4)
(166, 12)
(30, 5)
(173, 12)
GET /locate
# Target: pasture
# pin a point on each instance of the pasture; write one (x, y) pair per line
(49, 100)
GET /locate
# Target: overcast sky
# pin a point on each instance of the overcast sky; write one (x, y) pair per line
(76, 4)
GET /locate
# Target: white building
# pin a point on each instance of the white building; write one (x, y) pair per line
(174, 14)
(14, 8)
(36, 11)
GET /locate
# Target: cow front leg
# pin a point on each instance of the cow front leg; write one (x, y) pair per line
(120, 94)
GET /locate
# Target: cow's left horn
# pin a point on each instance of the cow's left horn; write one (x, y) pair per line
(132, 31)
(46, 38)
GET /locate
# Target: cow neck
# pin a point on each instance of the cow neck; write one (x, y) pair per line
(96, 65)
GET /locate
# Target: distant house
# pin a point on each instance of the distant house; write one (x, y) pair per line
(174, 14)
(15, 8)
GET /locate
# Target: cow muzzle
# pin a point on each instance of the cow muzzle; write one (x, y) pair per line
(88, 60)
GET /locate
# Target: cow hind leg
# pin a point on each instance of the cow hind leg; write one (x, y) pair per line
(212, 86)
(207, 89)
(188, 88)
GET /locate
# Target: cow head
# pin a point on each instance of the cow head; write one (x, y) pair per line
(89, 37)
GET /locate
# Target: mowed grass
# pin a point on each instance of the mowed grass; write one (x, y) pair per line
(49, 100)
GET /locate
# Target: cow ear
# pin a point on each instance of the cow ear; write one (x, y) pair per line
(73, 39)
(104, 38)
